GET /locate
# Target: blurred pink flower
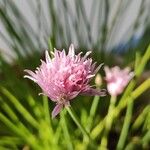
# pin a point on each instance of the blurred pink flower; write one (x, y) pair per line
(63, 77)
(117, 79)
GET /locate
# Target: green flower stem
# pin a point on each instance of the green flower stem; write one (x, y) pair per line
(126, 125)
(65, 131)
(57, 134)
(141, 118)
(143, 62)
(108, 123)
(122, 104)
(128, 90)
(92, 112)
(76, 120)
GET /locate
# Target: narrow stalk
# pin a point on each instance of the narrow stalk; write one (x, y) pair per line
(109, 121)
(66, 132)
(76, 120)
(92, 112)
(143, 62)
(126, 125)
(57, 134)
(47, 133)
(140, 119)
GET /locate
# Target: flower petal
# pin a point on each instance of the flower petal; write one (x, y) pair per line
(47, 57)
(98, 68)
(86, 55)
(73, 95)
(31, 76)
(117, 79)
(92, 92)
(56, 110)
(71, 52)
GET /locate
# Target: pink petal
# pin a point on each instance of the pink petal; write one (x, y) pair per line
(73, 95)
(117, 79)
(56, 110)
(92, 92)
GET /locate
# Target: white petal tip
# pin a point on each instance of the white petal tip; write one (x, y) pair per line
(71, 51)
(47, 57)
(31, 78)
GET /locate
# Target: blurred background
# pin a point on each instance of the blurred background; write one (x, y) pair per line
(114, 30)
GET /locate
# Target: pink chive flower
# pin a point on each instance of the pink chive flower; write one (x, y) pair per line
(63, 77)
(117, 79)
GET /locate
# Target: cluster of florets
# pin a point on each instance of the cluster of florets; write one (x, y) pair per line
(65, 76)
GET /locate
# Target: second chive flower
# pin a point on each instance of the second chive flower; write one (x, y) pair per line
(117, 79)
(63, 77)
